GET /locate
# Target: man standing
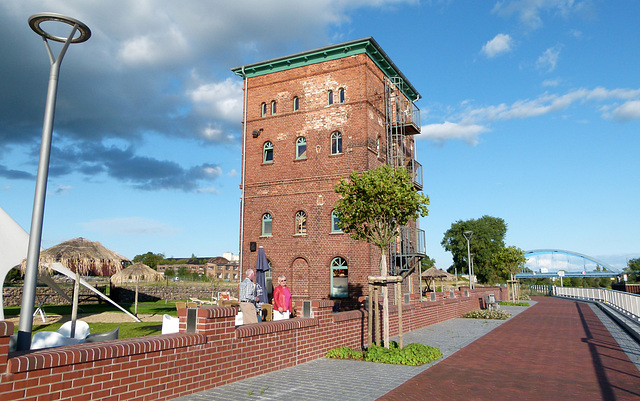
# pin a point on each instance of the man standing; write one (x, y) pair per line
(248, 298)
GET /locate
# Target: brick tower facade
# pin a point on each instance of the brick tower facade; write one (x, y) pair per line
(310, 119)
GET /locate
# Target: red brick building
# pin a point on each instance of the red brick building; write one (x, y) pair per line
(310, 119)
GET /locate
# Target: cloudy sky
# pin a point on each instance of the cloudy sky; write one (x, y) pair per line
(530, 112)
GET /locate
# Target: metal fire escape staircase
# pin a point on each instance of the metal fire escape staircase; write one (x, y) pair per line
(402, 118)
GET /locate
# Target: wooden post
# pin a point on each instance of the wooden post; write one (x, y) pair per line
(399, 301)
(370, 318)
(377, 315)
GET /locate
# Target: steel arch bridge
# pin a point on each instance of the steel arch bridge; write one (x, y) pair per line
(560, 263)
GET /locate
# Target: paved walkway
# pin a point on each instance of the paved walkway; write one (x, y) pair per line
(555, 349)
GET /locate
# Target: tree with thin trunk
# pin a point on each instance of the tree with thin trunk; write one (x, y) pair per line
(373, 207)
(510, 261)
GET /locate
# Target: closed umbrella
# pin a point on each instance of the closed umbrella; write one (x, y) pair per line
(81, 256)
(136, 272)
(262, 266)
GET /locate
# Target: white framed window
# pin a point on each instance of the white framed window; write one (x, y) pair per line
(301, 223)
(334, 223)
(341, 95)
(263, 109)
(336, 143)
(330, 97)
(301, 148)
(273, 107)
(296, 103)
(267, 223)
(267, 152)
(339, 278)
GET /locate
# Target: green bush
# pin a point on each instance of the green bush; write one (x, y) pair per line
(414, 354)
(505, 303)
(488, 314)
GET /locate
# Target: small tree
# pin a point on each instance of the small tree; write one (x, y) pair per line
(374, 206)
(509, 261)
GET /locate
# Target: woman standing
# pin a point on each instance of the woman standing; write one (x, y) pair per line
(281, 300)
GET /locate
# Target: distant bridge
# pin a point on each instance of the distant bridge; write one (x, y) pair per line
(552, 271)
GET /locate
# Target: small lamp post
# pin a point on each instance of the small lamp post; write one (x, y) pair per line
(35, 235)
(467, 236)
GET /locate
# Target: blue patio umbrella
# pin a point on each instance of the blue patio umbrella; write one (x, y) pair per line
(262, 266)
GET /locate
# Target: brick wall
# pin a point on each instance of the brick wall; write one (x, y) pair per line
(168, 366)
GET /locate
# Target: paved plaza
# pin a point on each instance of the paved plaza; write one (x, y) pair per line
(554, 349)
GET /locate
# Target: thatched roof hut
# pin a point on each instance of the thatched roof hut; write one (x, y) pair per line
(136, 273)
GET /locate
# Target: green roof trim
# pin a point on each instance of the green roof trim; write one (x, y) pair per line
(333, 52)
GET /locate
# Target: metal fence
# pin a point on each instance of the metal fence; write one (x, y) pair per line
(624, 303)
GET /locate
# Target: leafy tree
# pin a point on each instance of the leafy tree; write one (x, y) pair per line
(633, 268)
(509, 261)
(426, 264)
(373, 207)
(488, 239)
(184, 272)
(150, 259)
(169, 272)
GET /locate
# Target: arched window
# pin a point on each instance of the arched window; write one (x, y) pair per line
(301, 223)
(266, 225)
(336, 143)
(341, 95)
(301, 148)
(330, 97)
(339, 278)
(296, 103)
(334, 223)
(267, 152)
(263, 109)
(273, 107)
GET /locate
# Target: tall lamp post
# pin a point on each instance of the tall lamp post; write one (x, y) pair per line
(467, 236)
(35, 235)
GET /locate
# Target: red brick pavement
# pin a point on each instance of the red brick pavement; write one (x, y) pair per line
(555, 350)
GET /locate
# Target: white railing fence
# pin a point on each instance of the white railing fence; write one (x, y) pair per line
(624, 303)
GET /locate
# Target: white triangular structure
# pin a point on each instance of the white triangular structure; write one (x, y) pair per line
(14, 243)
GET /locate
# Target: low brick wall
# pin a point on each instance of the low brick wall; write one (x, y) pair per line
(167, 366)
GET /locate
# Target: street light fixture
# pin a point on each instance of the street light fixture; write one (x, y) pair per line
(467, 236)
(35, 235)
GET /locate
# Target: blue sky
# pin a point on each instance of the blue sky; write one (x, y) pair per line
(530, 113)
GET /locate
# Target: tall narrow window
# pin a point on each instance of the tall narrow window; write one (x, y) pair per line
(267, 153)
(296, 103)
(266, 224)
(301, 148)
(273, 107)
(330, 97)
(341, 95)
(301, 223)
(263, 109)
(339, 278)
(336, 143)
(334, 223)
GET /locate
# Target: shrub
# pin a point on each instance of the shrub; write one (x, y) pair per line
(514, 303)
(488, 314)
(414, 354)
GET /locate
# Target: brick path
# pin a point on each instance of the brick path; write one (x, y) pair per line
(555, 350)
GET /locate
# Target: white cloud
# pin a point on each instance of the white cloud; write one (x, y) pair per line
(529, 11)
(628, 111)
(219, 99)
(500, 44)
(131, 226)
(448, 130)
(549, 59)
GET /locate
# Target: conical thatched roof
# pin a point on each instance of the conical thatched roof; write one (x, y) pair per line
(137, 272)
(83, 256)
(434, 272)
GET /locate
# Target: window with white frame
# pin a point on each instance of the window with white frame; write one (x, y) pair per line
(273, 107)
(267, 223)
(301, 148)
(341, 95)
(301, 223)
(263, 109)
(339, 278)
(330, 97)
(334, 223)
(296, 103)
(336, 143)
(267, 152)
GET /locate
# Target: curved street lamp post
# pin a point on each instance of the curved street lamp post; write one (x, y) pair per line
(35, 235)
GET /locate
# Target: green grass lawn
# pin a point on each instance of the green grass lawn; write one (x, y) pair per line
(127, 330)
